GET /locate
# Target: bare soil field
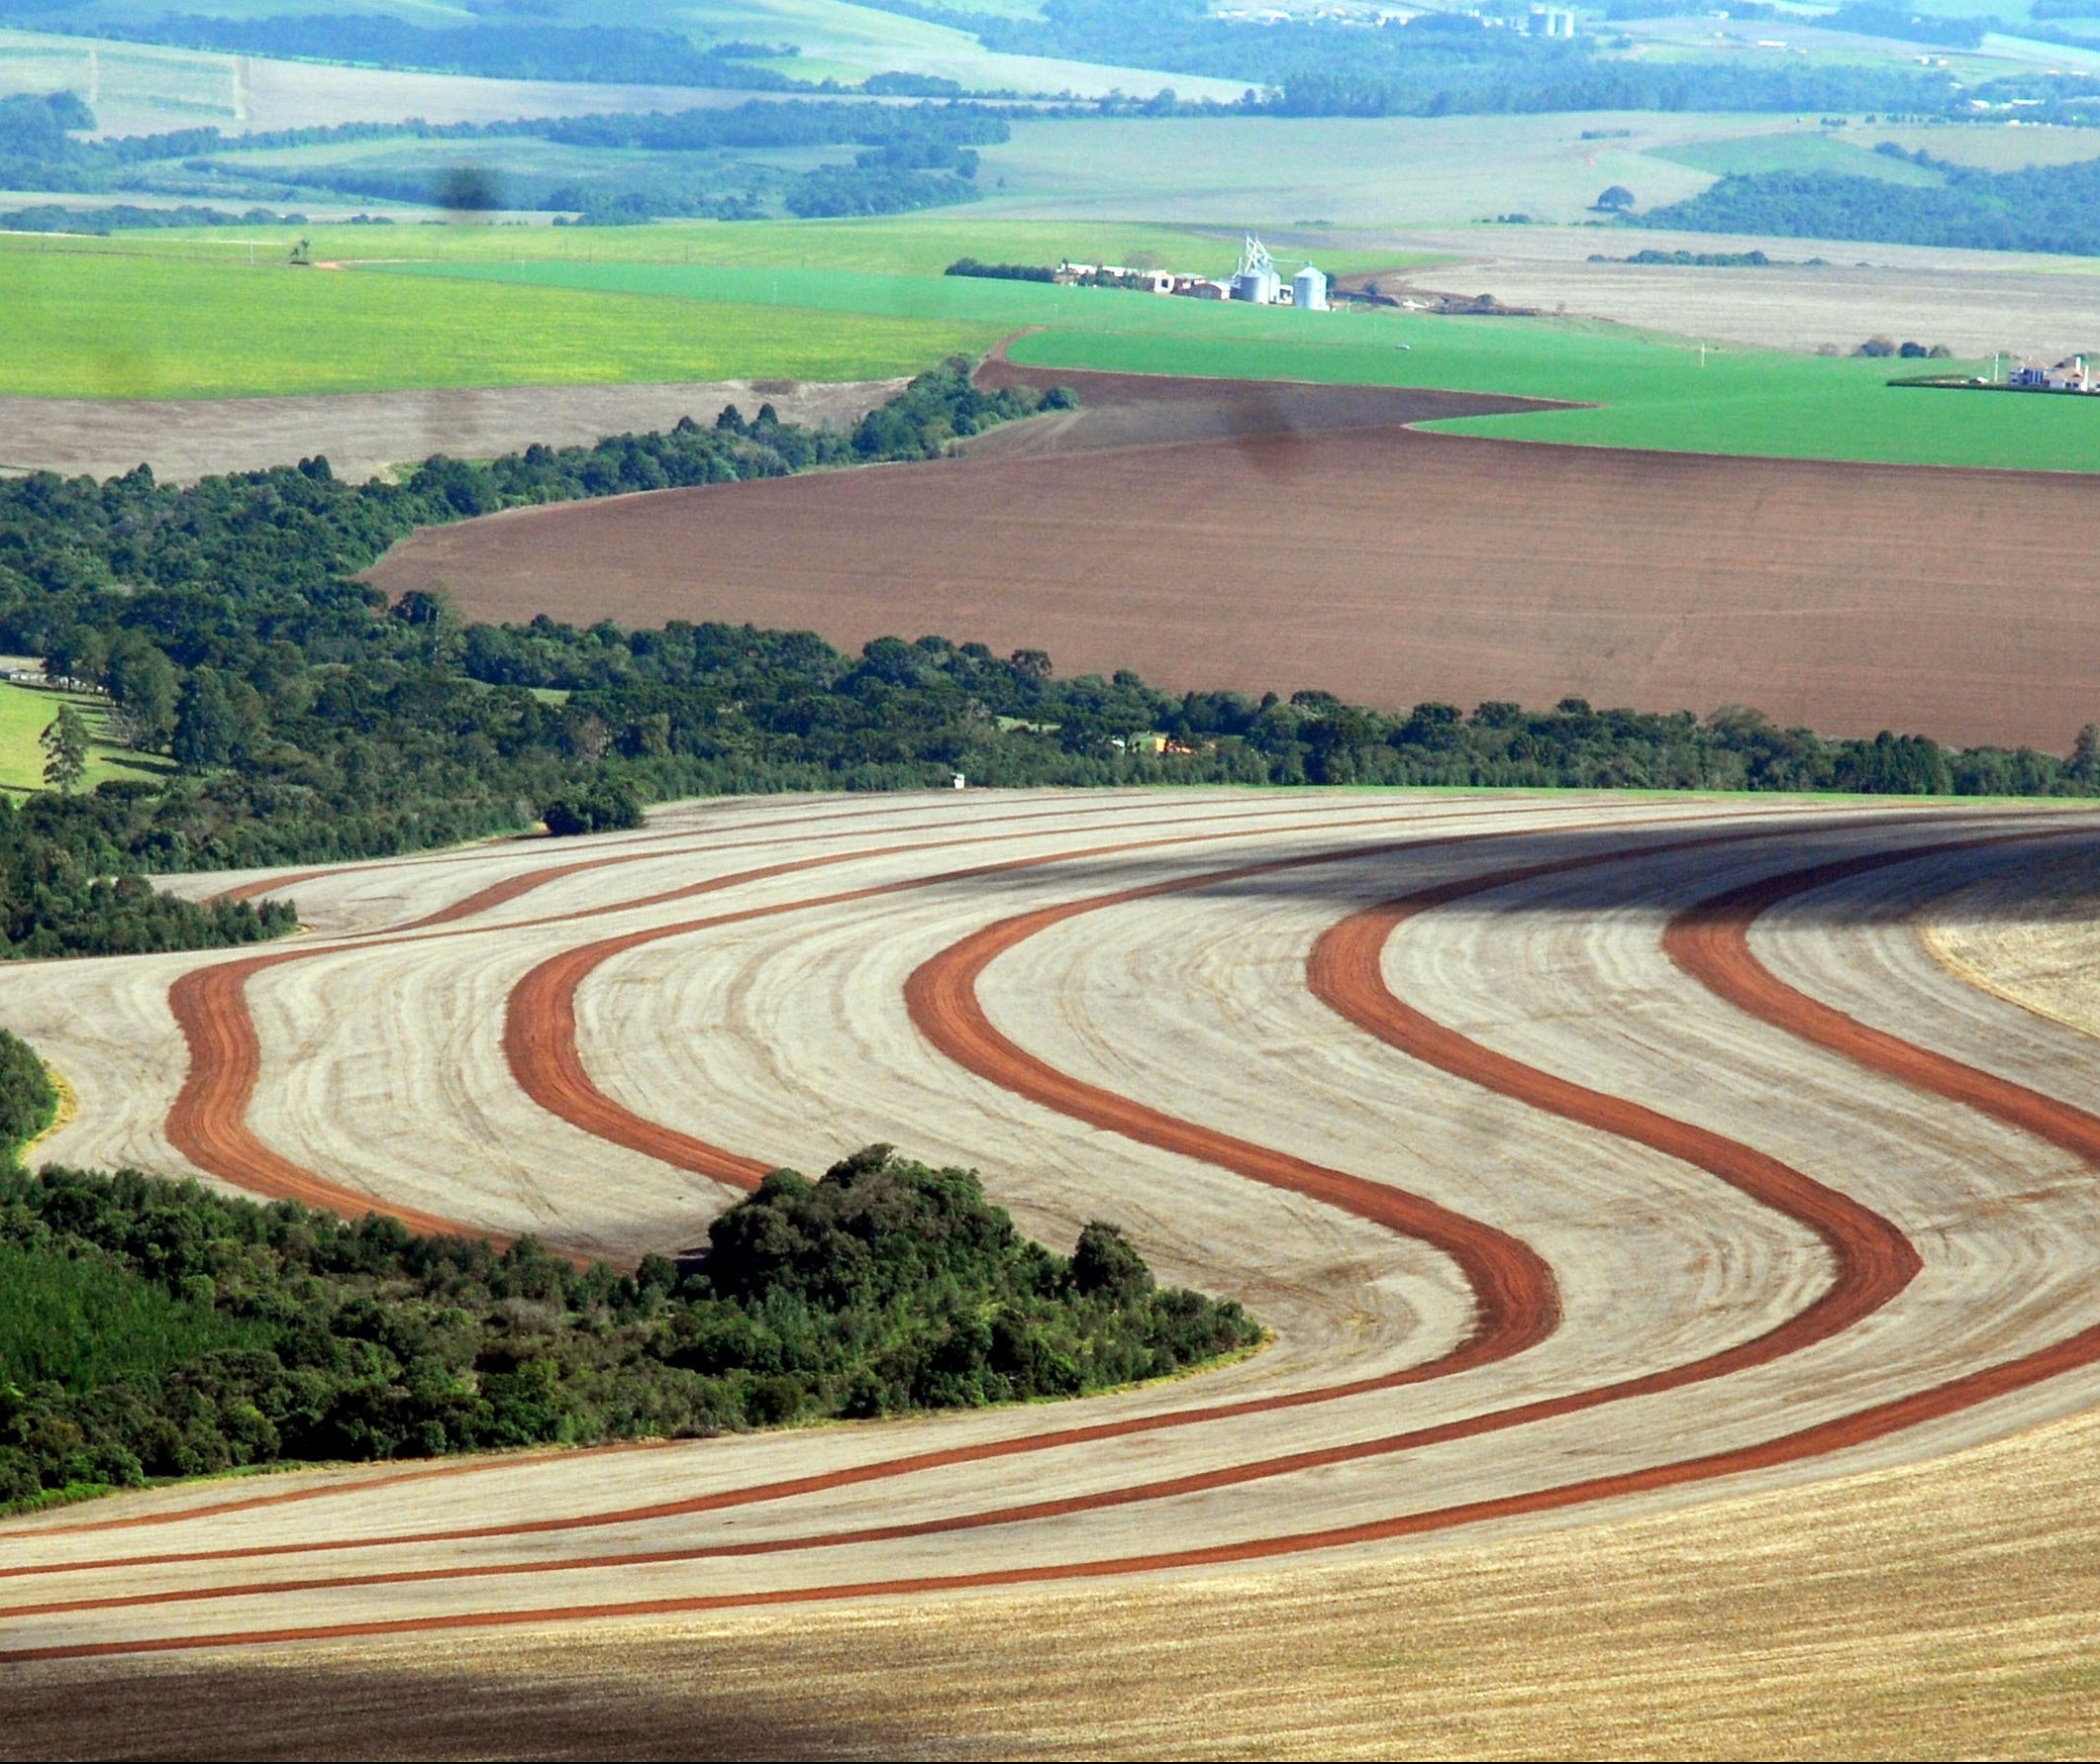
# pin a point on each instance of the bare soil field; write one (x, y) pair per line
(1274, 549)
(1973, 302)
(1592, 1159)
(363, 433)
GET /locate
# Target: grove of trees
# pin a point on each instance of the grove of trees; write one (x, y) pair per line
(150, 1329)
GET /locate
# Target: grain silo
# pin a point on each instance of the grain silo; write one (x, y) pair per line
(1309, 290)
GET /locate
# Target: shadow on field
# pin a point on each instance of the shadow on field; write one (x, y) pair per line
(1876, 868)
(295, 1709)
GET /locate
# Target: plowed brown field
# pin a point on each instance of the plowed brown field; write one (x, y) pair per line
(1283, 537)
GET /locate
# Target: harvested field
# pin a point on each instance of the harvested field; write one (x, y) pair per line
(1279, 536)
(1974, 302)
(1591, 1158)
(2031, 938)
(1776, 1626)
(363, 433)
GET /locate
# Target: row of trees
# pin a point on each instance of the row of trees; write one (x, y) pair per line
(150, 1329)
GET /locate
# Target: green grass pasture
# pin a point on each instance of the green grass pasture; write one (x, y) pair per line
(26, 712)
(127, 325)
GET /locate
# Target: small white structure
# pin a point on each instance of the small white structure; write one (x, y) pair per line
(1551, 21)
(1309, 290)
(1256, 279)
(962, 783)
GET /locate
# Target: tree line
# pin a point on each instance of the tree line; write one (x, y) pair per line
(309, 721)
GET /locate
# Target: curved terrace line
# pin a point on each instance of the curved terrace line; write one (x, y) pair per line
(1875, 1260)
(1729, 916)
(1825, 1318)
(563, 1080)
(208, 1123)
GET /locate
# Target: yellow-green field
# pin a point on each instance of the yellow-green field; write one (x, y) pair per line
(26, 712)
(130, 325)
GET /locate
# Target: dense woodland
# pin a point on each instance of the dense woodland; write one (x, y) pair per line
(150, 1329)
(2044, 208)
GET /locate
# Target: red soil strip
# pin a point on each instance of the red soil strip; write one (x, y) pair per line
(1439, 1047)
(1712, 944)
(1874, 1261)
(209, 1123)
(1723, 937)
(1381, 562)
(539, 1045)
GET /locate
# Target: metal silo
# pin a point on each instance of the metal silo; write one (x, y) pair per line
(1309, 290)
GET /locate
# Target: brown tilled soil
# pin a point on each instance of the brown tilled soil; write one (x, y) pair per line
(1282, 545)
(363, 433)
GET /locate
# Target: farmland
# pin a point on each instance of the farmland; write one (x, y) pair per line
(1259, 538)
(1841, 1285)
(137, 327)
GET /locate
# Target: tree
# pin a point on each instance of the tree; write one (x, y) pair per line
(2085, 755)
(1105, 1261)
(1615, 201)
(142, 682)
(65, 751)
(208, 731)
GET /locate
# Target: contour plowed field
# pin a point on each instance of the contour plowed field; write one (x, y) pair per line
(1259, 535)
(1587, 1156)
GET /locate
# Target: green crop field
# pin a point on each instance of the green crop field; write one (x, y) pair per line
(895, 244)
(26, 712)
(127, 325)
(1652, 392)
(962, 299)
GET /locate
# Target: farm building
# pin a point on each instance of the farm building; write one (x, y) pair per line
(2071, 374)
(1309, 290)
